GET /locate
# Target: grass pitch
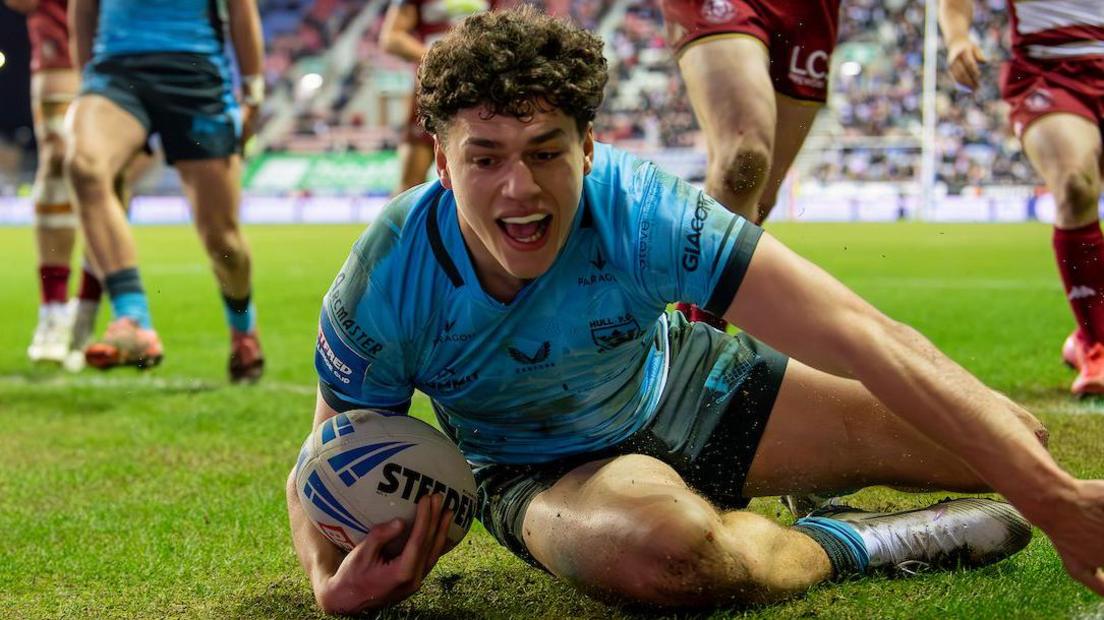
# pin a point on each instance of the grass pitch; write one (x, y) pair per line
(154, 495)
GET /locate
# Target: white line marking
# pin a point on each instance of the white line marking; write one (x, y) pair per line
(119, 381)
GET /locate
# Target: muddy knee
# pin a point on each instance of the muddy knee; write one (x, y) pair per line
(737, 176)
(1077, 193)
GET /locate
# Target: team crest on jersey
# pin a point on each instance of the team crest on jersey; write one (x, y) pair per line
(718, 11)
(1039, 100)
(613, 332)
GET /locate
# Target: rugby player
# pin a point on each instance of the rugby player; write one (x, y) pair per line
(160, 67)
(1054, 83)
(756, 73)
(409, 28)
(62, 330)
(612, 444)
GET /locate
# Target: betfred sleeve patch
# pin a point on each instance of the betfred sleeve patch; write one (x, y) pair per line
(337, 363)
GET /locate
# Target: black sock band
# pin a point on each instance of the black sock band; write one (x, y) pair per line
(842, 559)
(237, 305)
(122, 282)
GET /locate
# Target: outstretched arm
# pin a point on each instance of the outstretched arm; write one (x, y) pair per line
(800, 309)
(366, 578)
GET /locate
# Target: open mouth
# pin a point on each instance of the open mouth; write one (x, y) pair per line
(525, 230)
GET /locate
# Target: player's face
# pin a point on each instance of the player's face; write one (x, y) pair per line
(517, 186)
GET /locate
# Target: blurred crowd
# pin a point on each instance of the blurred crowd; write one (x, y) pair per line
(334, 90)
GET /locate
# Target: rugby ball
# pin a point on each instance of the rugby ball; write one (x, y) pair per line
(362, 468)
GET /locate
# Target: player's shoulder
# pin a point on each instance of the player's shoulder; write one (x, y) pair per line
(395, 229)
(618, 182)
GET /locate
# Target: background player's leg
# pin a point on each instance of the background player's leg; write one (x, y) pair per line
(795, 119)
(730, 89)
(415, 158)
(91, 283)
(213, 187)
(630, 527)
(854, 442)
(1066, 151)
(55, 221)
(103, 138)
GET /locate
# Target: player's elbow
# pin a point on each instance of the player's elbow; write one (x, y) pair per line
(388, 42)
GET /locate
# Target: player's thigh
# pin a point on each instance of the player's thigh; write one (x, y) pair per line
(1061, 144)
(608, 510)
(213, 188)
(102, 135)
(830, 434)
(729, 85)
(795, 119)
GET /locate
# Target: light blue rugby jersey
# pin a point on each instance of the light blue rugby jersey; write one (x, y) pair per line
(576, 362)
(150, 26)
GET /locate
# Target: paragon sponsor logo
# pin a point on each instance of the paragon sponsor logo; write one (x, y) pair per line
(691, 251)
(412, 485)
(611, 333)
(448, 381)
(599, 261)
(446, 334)
(595, 278)
(344, 319)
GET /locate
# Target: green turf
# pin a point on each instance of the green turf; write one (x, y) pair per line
(157, 495)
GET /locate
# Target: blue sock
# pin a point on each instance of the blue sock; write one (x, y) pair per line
(843, 544)
(128, 298)
(241, 315)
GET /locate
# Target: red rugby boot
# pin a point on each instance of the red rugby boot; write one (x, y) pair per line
(125, 344)
(246, 360)
(1090, 369)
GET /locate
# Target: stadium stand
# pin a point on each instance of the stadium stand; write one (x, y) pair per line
(334, 91)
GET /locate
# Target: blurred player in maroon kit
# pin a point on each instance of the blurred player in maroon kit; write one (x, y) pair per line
(756, 72)
(1054, 84)
(62, 330)
(409, 28)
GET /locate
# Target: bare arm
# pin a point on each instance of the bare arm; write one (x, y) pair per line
(245, 33)
(963, 55)
(21, 6)
(798, 308)
(83, 18)
(365, 579)
(395, 33)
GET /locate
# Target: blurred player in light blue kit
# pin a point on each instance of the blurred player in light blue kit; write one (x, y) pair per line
(159, 66)
(614, 445)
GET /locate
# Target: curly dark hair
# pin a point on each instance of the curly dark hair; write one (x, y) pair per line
(515, 62)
